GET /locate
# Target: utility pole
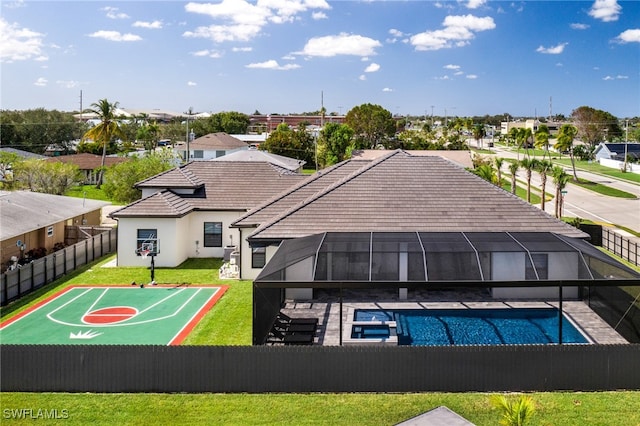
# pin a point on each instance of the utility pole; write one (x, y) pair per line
(186, 157)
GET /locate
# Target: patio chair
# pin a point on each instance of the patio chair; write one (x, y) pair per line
(290, 320)
(292, 327)
(277, 336)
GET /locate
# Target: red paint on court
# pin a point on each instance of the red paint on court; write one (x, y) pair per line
(110, 315)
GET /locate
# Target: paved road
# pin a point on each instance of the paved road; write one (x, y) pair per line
(587, 204)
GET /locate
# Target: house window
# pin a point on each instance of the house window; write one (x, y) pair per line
(198, 153)
(50, 231)
(220, 153)
(213, 234)
(147, 237)
(258, 257)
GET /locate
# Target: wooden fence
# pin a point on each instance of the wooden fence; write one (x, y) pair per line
(258, 369)
(31, 276)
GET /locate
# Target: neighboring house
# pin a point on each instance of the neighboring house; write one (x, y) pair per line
(617, 151)
(36, 221)
(189, 209)
(253, 155)
(6, 170)
(211, 146)
(88, 164)
(24, 155)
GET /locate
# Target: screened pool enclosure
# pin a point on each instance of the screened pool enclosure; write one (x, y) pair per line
(439, 257)
(508, 264)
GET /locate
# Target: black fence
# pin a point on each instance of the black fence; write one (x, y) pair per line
(33, 275)
(259, 369)
(621, 246)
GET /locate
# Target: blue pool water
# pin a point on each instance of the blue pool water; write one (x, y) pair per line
(435, 327)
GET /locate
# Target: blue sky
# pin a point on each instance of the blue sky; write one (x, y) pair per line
(461, 58)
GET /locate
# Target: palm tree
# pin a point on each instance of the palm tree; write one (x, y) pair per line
(486, 172)
(105, 131)
(542, 139)
(522, 137)
(560, 179)
(478, 134)
(513, 168)
(566, 135)
(543, 167)
(499, 162)
(528, 165)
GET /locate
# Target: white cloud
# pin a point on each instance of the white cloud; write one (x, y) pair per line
(68, 84)
(362, 77)
(472, 76)
(18, 44)
(605, 10)
(115, 36)
(342, 44)
(395, 35)
(578, 26)
(387, 89)
(457, 32)
(191, 83)
(629, 36)
(155, 25)
(553, 50)
(41, 82)
(207, 53)
(272, 64)
(617, 77)
(112, 13)
(451, 67)
(240, 20)
(373, 67)
(474, 4)
(319, 15)
(242, 49)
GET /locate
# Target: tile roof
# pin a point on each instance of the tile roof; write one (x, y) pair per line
(218, 185)
(299, 193)
(24, 211)
(218, 140)
(402, 192)
(161, 204)
(292, 164)
(86, 161)
(181, 177)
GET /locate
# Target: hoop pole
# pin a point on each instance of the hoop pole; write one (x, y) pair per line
(153, 269)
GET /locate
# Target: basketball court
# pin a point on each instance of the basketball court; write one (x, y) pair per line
(111, 315)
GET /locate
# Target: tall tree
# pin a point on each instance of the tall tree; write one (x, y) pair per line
(560, 179)
(479, 133)
(513, 169)
(106, 130)
(524, 139)
(121, 178)
(47, 177)
(595, 125)
(499, 162)
(528, 164)
(334, 143)
(564, 143)
(542, 139)
(372, 125)
(543, 167)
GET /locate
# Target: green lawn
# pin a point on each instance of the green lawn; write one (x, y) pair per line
(229, 323)
(557, 408)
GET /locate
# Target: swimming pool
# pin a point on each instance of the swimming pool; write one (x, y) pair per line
(436, 327)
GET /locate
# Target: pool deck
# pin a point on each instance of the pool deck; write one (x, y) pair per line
(327, 309)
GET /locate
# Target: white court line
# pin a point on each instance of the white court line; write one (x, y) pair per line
(176, 312)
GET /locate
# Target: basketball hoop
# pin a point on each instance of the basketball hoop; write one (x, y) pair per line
(144, 254)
